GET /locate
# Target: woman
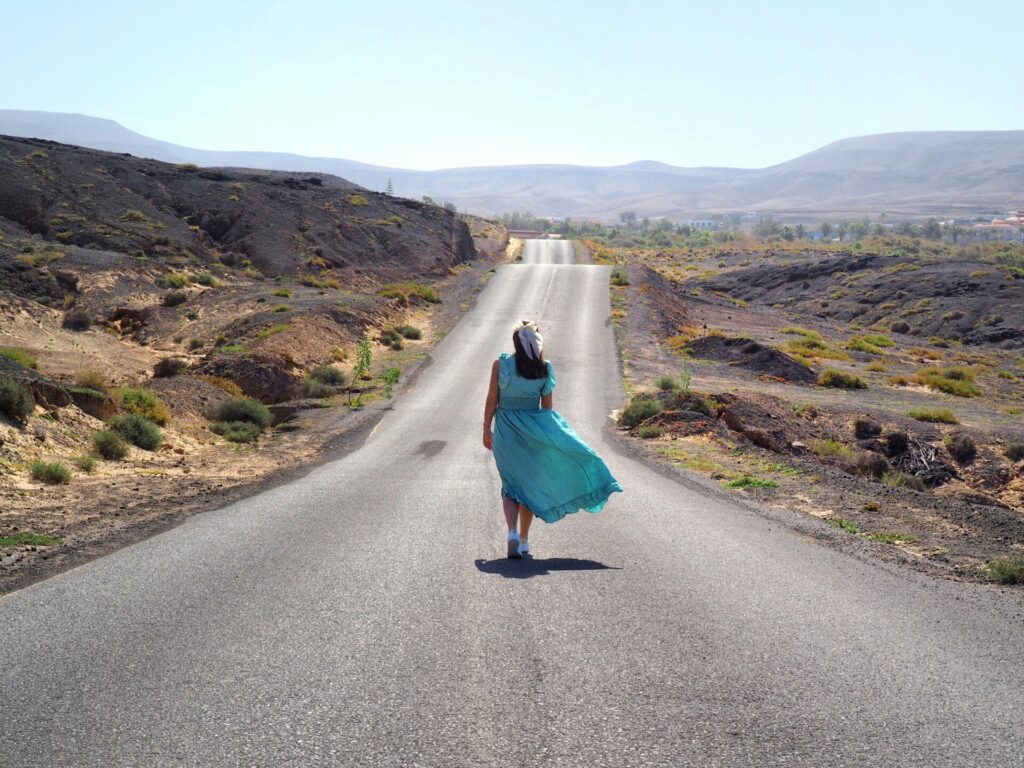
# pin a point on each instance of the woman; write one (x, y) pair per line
(545, 469)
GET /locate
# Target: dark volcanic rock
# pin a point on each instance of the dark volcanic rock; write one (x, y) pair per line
(134, 206)
(758, 424)
(907, 290)
(866, 427)
(262, 377)
(753, 356)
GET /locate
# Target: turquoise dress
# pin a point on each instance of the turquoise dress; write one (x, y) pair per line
(542, 461)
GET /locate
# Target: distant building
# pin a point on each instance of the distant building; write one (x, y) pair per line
(702, 223)
(1009, 228)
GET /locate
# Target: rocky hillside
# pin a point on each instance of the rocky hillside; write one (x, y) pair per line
(214, 262)
(282, 223)
(876, 386)
(171, 336)
(933, 298)
(912, 174)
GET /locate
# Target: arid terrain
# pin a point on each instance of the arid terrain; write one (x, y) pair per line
(878, 387)
(149, 300)
(912, 174)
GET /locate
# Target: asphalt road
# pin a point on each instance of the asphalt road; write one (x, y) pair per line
(363, 615)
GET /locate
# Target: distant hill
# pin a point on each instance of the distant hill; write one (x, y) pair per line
(903, 174)
(281, 223)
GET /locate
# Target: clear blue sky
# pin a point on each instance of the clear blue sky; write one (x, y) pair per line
(461, 82)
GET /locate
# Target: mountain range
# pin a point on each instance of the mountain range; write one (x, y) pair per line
(911, 174)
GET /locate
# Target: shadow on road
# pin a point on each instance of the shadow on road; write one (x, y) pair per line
(528, 566)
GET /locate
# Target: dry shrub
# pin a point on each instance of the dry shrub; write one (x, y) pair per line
(226, 385)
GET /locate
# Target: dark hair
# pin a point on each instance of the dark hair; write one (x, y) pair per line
(526, 366)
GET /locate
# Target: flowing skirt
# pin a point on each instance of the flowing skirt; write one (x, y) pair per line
(544, 465)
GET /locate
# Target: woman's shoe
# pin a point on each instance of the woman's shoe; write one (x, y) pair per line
(524, 547)
(513, 545)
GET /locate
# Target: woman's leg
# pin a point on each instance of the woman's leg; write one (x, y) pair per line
(525, 520)
(511, 509)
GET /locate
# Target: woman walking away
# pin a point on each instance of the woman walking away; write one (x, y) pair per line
(545, 469)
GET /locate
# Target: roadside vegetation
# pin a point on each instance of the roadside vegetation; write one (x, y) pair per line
(838, 369)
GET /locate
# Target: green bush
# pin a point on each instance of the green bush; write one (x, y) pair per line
(893, 537)
(956, 381)
(639, 410)
(85, 463)
(877, 340)
(272, 330)
(619, 277)
(934, 415)
(1007, 571)
(808, 344)
(145, 403)
(833, 377)
(237, 431)
(795, 330)
(169, 366)
(93, 380)
(279, 308)
(666, 383)
(20, 356)
(23, 539)
(319, 282)
(174, 298)
(109, 445)
(409, 332)
(208, 280)
(243, 409)
(1015, 451)
(327, 374)
(859, 344)
(896, 479)
(283, 293)
(175, 280)
(749, 481)
(650, 431)
(137, 430)
(847, 525)
(50, 472)
(405, 291)
(15, 400)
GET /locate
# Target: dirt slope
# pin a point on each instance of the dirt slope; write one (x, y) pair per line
(252, 283)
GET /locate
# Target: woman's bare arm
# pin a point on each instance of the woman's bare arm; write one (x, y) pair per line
(547, 402)
(491, 406)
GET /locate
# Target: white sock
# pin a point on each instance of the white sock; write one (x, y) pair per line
(513, 535)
